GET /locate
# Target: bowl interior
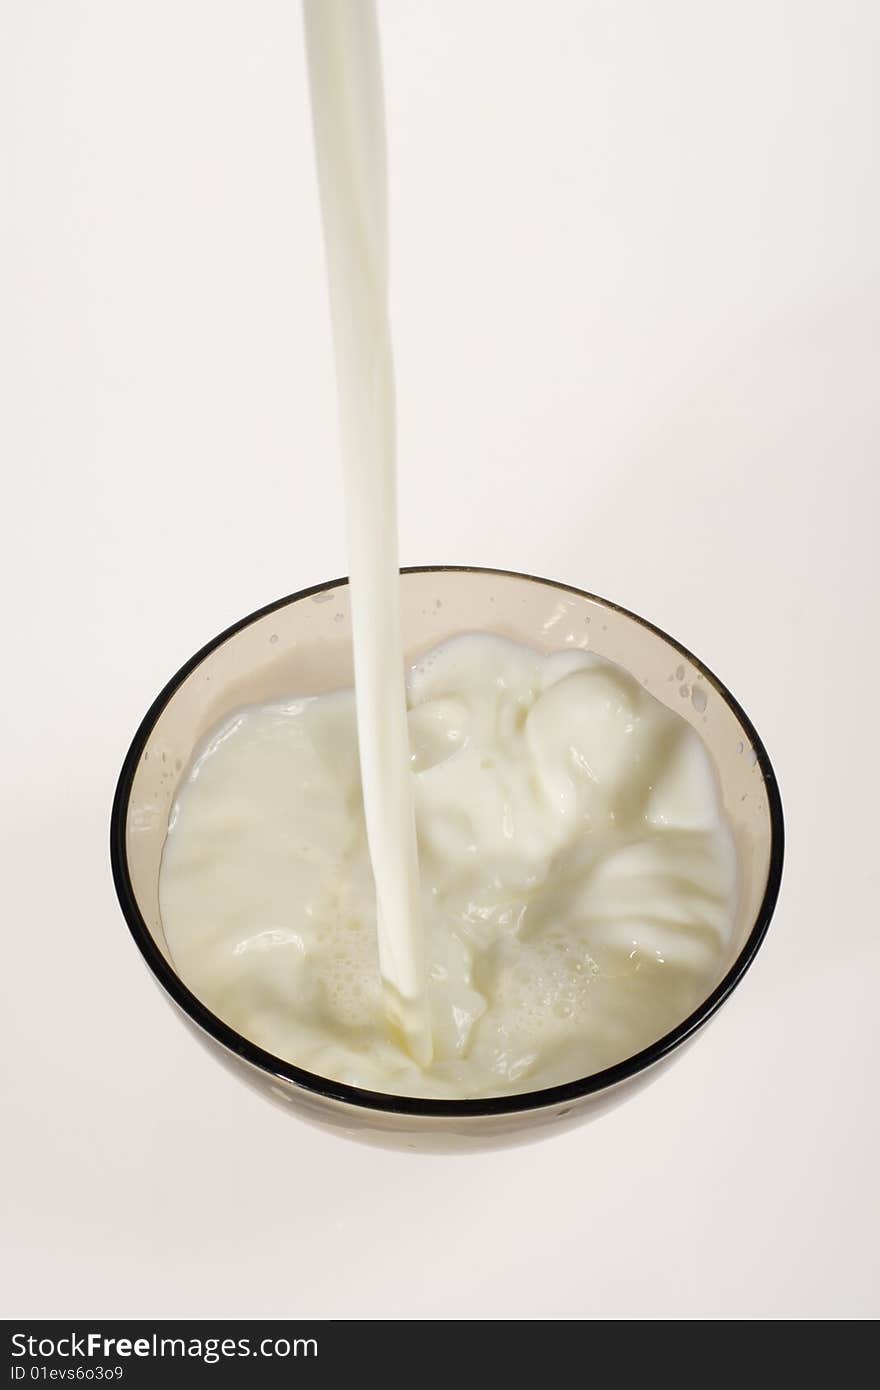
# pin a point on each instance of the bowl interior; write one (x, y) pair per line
(302, 646)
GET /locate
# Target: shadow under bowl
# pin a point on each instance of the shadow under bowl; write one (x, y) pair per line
(301, 645)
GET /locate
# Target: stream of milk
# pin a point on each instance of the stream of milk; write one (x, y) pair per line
(345, 80)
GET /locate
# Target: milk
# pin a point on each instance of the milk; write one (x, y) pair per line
(578, 881)
(347, 108)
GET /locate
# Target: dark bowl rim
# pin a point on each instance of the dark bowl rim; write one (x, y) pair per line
(275, 1067)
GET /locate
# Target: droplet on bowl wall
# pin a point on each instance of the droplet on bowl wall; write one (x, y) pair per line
(753, 758)
(337, 617)
(274, 637)
(679, 673)
(323, 598)
(684, 691)
(740, 747)
(698, 699)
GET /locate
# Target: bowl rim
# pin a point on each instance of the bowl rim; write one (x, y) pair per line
(417, 1106)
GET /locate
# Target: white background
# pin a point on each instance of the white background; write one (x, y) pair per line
(636, 273)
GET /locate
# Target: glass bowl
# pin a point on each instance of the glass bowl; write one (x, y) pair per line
(301, 645)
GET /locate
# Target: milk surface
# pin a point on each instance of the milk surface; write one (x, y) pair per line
(577, 877)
